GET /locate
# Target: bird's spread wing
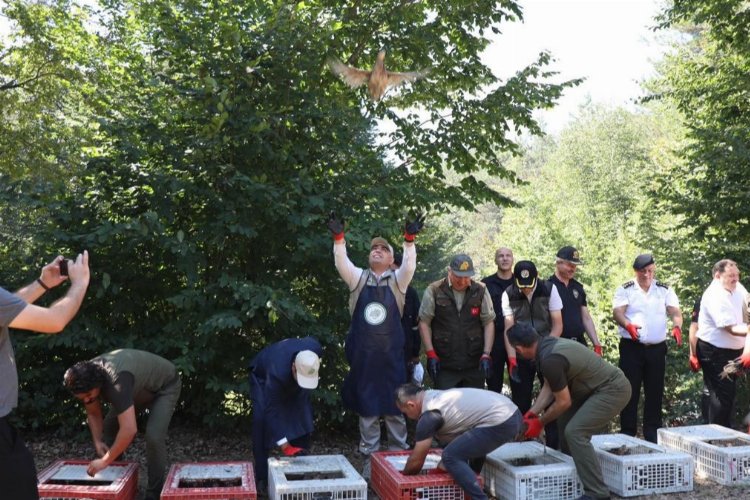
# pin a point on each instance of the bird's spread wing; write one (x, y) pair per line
(395, 79)
(352, 76)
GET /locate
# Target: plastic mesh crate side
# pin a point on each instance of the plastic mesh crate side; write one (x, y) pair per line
(124, 476)
(725, 465)
(389, 483)
(553, 480)
(646, 469)
(349, 487)
(210, 470)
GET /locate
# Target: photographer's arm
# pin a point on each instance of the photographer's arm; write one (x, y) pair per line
(49, 278)
(54, 318)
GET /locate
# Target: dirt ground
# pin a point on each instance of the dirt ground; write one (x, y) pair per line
(197, 445)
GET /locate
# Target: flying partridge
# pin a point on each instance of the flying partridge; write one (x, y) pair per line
(378, 80)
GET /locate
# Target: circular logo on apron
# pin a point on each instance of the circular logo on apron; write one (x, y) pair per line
(375, 313)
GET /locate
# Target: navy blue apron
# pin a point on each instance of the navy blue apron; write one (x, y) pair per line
(375, 352)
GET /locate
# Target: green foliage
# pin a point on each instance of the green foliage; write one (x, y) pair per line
(594, 188)
(195, 148)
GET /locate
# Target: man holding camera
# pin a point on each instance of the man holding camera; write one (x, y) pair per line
(17, 469)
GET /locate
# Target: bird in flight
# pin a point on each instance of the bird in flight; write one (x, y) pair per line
(378, 80)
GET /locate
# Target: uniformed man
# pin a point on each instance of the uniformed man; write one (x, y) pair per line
(576, 318)
(468, 422)
(410, 323)
(496, 284)
(581, 391)
(538, 304)
(281, 378)
(374, 345)
(131, 381)
(721, 338)
(457, 326)
(640, 308)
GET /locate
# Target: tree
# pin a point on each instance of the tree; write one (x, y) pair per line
(221, 141)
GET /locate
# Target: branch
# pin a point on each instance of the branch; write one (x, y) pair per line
(394, 141)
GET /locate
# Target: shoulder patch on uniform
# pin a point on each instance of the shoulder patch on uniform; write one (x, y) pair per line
(628, 284)
(663, 285)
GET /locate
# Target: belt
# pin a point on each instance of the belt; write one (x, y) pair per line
(643, 343)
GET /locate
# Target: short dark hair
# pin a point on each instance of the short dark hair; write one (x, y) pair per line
(407, 392)
(84, 376)
(721, 266)
(522, 334)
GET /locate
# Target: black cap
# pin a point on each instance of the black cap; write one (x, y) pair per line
(570, 254)
(643, 260)
(525, 274)
(462, 266)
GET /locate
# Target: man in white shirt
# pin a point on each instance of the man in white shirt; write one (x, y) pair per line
(639, 308)
(721, 338)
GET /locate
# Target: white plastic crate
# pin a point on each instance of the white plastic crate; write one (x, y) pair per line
(632, 466)
(726, 465)
(551, 477)
(319, 477)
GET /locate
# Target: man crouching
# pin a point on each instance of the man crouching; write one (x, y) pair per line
(469, 423)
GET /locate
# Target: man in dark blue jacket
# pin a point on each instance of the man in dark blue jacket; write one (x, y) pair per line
(281, 377)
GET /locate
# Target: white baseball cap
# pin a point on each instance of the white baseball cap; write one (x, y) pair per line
(307, 364)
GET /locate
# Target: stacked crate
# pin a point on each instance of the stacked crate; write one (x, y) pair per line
(67, 480)
(431, 483)
(632, 466)
(531, 471)
(329, 477)
(720, 453)
(210, 480)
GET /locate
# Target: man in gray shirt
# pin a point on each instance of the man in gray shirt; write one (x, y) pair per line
(469, 422)
(17, 469)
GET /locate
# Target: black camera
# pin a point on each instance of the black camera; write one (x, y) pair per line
(63, 267)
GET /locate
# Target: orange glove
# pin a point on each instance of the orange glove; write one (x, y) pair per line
(695, 365)
(633, 331)
(534, 427)
(513, 370)
(530, 414)
(677, 334)
(745, 358)
(290, 450)
(598, 350)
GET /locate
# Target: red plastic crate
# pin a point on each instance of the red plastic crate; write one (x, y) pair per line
(241, 472)
(122, 478)
(390, 484)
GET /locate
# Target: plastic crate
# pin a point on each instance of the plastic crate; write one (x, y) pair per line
(317, 477)
(552, 476)
(632, 466)
(390, 484)
(726, 465)
(67, 479)
(210, 480)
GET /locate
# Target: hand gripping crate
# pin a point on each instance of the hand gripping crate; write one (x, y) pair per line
(531, 471)
(67, 479)
(632, 466)
(390, 484)
(720, 453)
(316, 477)
(210, 480)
